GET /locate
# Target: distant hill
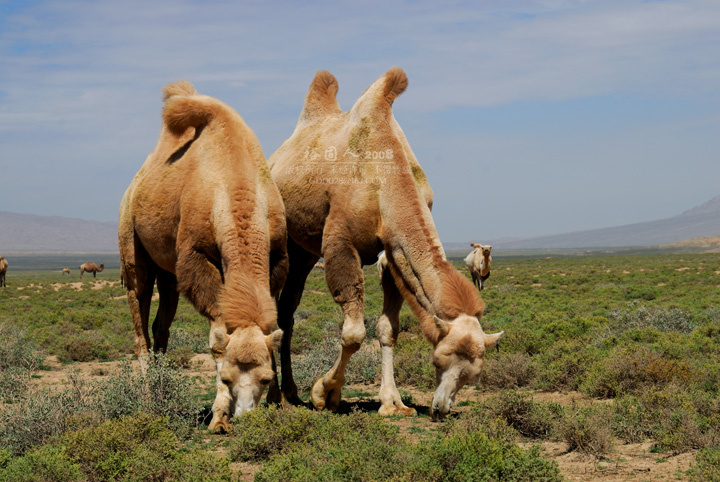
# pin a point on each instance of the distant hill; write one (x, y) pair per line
(700, 221)
(29, 233)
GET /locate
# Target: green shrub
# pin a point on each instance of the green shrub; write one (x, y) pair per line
(140, 448)
(507, 370)
(587, 429)
(412, 360)
(48, 464)
(707, 465)
(529, 418)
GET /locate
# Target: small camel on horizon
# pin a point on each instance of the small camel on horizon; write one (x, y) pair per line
(478, 262)
(90, 268)
(66, 271)
(3, 270)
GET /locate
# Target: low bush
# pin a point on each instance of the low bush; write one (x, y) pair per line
(587, 429)
(707, 465)
(529, 418)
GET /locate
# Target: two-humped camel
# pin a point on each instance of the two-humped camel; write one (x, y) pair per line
(66, 271)
(3, 271)
(91, 268)
(352, 187)
(204, 218)
(478, 262)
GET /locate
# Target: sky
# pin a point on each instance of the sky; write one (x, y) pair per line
(529, 117)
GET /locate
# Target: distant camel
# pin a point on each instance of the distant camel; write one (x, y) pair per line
(67, 271)
(91, 268)
(204, 218)
(478, 262)
(3, 270)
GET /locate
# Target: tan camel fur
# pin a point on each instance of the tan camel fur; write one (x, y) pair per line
(3, 270)
(352, 187)
(91, 268)
(204, 218)
(478, 262)
(66, 271)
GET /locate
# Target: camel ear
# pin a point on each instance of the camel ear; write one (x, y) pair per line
(442, 326)
(492, 339)
(273, 340)
(218, 341)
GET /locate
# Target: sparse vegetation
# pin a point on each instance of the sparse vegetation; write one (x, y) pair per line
(637, 336)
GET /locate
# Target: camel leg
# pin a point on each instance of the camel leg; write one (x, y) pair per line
(200, 280)
(344, 276)
(387, 330)
(167, 288)
(139, 283)
(301, 263)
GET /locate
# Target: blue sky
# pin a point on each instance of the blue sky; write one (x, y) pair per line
(529, 117)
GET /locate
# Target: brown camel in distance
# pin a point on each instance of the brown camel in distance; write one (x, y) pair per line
(91, 268)
(478, 263)
(203, 217)
(66, 271)
(3, 271)
(352, 187)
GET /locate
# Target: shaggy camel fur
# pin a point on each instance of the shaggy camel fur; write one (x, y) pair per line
(204, 218)
(91, 268)
(3, 270)
(352, 187)
(66, 271)
(478, 262)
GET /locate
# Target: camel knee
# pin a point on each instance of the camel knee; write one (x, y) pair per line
(385, 332)
(353, 334)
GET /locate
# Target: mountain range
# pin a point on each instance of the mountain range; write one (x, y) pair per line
(29, 233)
(700, 221)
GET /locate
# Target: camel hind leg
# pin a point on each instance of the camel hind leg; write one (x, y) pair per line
(345, 279)
(301, 263)
(169, 296)
(140, 274)
(387, 331)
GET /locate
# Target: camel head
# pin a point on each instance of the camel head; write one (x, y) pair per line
(485, 249)
(458, 358)
(245, 368)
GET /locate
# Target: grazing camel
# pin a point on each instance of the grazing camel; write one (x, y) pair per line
(352, 187)
(204, 218)
(66, 271)
(478, 262)
(91, 268)
(3, 270)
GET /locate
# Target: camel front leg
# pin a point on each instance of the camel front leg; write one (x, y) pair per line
(344, 276)
(167, 289)
(387, 331)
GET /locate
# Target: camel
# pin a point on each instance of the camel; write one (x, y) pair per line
(66, 271)
(352, 187)
(203, 217)
(3, 270)
(478, 262)
(91, 268)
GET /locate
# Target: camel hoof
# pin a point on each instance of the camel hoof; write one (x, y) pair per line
(392, 409)
(317, 394)
(332, 401)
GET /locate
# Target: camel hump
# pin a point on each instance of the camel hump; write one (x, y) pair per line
(396, 82)
(181, 87)
(184, 108)
(321, 99)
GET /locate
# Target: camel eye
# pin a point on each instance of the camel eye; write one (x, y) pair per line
(226, 381)
(265, 381)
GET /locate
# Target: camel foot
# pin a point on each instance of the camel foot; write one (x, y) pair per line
(322, 398)
(397, 408)
(220, 424)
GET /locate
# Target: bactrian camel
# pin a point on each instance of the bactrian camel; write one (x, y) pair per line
(66, 271)
(352, 187)
(204, 218)
(91, 268)
(3, 271)
(478, 262)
